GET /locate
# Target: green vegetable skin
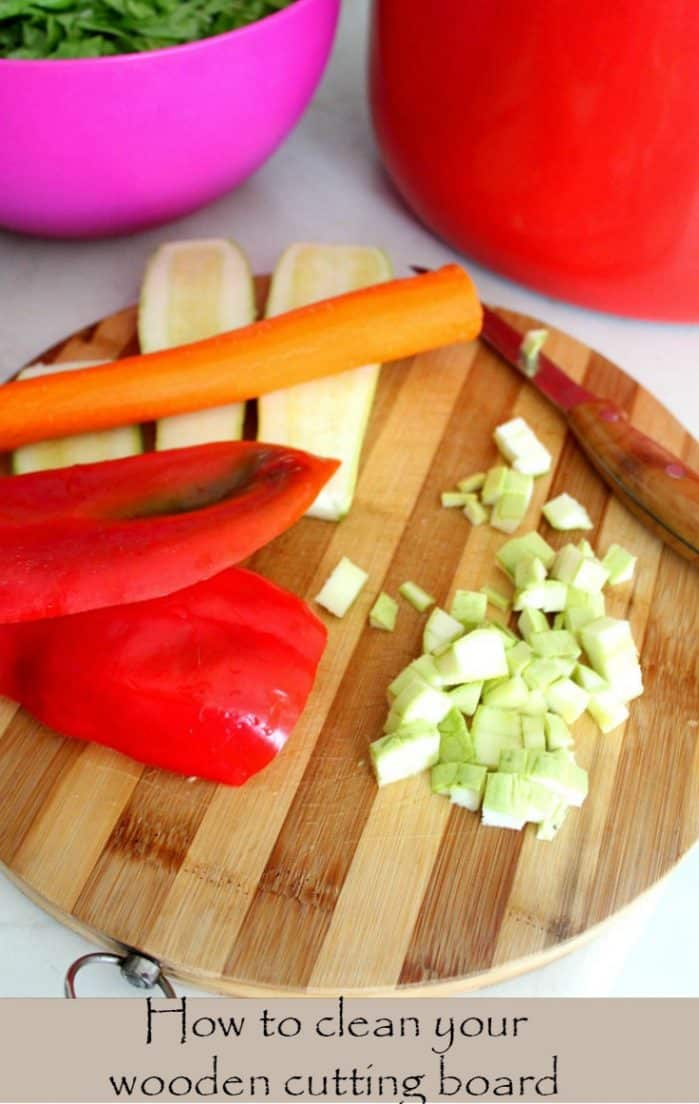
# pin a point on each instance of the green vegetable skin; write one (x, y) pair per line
(97, 28)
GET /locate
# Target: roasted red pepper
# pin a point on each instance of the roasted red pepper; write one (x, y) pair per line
(120, 531)
(208, 681)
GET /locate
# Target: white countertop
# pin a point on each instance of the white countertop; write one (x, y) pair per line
(326, 183)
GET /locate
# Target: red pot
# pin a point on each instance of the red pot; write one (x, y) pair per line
(555, 141)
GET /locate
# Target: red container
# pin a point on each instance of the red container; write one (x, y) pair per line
(556, 141)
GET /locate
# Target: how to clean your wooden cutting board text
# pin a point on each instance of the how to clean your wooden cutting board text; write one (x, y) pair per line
(338, 1049)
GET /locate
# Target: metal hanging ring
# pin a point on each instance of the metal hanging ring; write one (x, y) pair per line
(139, 970)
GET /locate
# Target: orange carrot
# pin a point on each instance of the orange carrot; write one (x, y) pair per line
(376, 324)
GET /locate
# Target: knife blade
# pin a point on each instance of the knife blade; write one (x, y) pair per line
(657, 486)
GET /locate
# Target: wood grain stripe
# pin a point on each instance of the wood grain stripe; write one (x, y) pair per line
(26, 777)
(82, 809)
(144, 851)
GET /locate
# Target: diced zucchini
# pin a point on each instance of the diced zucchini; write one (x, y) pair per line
(619, 565)
(492, 731)
(558, 734)
(533, 733)
(327, 416)
(79, 448)
(393, 721)
(468, 786)
(496, 598)
(561, 775)
(495, 485)
(555, 642)
(586, 599)
(193, 290)
(607, 710)
(475, 512)
(508, 637)
(509, 492)
(383, 613)
(518, 657)
(466, 697)
(548, 596)
(443, 776)
(544, 670)
(417, 597)
(516, 760)
(476, 656)
(587, 678)
(576, 617)
(531, 621)
(574, 567)
(567, 699)
(532, 344)
(471, 483)
(531, 544)
(623, 673)
(542, 803)
(469, 607)
(519, 444)
(426, 667)
(501, 721)
(509, 510)
(342, 587)
(405, 752)
(535, 705)
(404, 678)
(511, 693)
(606, 637)
(564, 512)
(529, 571)
(505, 801)
(455, 743)
(453, 498)
(420, 702)
(440, 629)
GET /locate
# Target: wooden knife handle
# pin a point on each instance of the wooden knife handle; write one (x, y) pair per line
(655, 485)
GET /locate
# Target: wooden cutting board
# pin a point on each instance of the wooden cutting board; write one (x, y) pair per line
(310, 880)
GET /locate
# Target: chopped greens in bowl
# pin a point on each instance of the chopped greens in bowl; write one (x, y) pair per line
(34, 29)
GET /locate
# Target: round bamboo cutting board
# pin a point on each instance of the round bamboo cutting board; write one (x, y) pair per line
(309, 880)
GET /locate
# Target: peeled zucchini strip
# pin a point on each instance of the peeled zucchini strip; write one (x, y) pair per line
(326, 416)
(193, 290)
(80, 448)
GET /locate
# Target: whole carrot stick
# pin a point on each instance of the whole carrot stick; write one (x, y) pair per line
(376, 324)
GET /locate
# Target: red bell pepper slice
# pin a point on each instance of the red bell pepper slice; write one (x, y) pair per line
(208, 681)
(119, 531)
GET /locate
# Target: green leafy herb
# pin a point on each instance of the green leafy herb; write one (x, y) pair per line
(99, 28)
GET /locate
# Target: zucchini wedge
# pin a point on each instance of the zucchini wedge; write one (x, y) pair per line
(81, 448)
(329, 416)
(193, 290)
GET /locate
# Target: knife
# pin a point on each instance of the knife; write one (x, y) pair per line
(655, 485)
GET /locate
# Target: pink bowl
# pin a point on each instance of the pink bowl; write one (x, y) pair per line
(109, 145)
